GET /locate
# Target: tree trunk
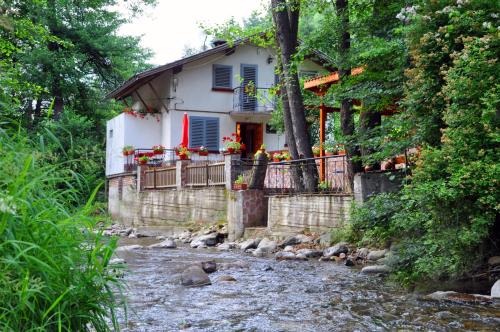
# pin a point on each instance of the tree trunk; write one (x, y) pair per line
(286, 16)
(346, 111)
(368, 120)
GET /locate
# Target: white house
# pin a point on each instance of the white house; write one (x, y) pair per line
(215, 88)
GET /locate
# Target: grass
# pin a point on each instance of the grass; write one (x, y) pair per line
(54, 273)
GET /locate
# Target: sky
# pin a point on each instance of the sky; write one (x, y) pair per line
(174, 24)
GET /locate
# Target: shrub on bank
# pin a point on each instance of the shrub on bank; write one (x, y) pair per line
(54, 272)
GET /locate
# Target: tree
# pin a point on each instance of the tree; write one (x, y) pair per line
(286, 19)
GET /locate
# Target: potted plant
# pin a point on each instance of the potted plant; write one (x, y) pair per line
(202, 151)
(158, 149)
(340, 149)
(232, 144)
(143, 160)
(128, 150)
(277, 157)
(401, 159)
(183, 152)
(330, 150)
(316, 151)
(323, 186)
(285, 155)
(240, 184)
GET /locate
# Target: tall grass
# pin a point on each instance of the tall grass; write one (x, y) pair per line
(54, 273)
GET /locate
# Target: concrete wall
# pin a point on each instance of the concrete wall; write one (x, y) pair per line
(317, 213)
(368, 184)
(163, 210)
(115, 141)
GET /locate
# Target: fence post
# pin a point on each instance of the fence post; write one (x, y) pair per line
(231, 162)
(180, 173)
(207, 172)
(154, 177)
(139, 178)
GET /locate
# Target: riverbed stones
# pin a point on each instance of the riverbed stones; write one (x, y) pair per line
(249, 244)
(226, 246)
(336, 250)
(310, 253)
(363, 252)
(209, 266)
(494, 261)
(238, 265)
(129, 248)
(284, 256)
(495, 290)
(452, 296)
(208, 240)
(288, 248)
(166, 244)
(372, 269)
(116, 261)
(376, 254)
(265, 247)
(194, 276)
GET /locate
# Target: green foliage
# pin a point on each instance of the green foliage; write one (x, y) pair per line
(54, 272)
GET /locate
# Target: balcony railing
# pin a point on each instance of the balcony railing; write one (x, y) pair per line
(251, 99)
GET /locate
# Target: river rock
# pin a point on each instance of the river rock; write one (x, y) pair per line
(349, 262)
(129, 248)
(226, 246)
(300, 257)
(186, 235)
(376, 254)
(194, 276)
(284, 256)
(208, 240)
(226, 278)
(267, 245)
(116, 261)
(166, 244)
(294, 240)
(494, 261)
(458, 297)
(209, 266)
(249, 244)
(325, 239)
(288, 248)
(495, 290)
(363, 252)
(310, 253)
(336, 250)
(376, 269)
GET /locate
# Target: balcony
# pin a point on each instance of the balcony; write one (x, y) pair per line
(251, 101)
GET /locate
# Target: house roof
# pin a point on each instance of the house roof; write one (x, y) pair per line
(146, 76)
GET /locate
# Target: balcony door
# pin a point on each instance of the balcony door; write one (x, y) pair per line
(248, 93)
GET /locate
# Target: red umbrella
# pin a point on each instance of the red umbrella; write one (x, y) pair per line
(185, 131)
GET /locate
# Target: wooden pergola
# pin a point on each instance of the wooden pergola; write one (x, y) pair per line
(319, 86)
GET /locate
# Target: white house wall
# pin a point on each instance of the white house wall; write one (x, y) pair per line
(142, 133)
(115, 138)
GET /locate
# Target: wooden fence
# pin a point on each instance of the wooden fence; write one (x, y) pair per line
(160, 178)
(205, 174)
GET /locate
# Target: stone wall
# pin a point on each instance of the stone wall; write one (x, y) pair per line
(245, 208)
(163, 210)
(317, 213)
(368, 184)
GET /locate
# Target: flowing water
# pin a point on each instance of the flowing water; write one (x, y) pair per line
(281, 296)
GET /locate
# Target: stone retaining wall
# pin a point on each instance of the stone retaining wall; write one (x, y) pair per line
(246, 208)
(317, 213)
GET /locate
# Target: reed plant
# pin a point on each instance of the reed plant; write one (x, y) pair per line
(54, 261)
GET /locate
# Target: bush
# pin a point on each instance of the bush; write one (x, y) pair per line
(54, 272)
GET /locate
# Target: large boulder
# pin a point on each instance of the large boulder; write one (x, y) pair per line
(265, 247)
(376, 254)
(451, 296)
(371, 269)
(205, 240)
(310, 253)
(249, 244)
(194, 276)
(166, 244)
(495, 290)
(336, 250)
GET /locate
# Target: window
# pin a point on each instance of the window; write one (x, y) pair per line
(204, 131)
(111, 133)
(222, 77)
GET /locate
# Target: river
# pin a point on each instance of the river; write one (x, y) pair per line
(274, 295)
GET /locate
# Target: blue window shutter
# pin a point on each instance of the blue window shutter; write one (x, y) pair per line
(204, 131)
(222, 76)
(212, 134)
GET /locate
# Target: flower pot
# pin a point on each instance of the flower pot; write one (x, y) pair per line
(240, 186)
(400, 160)
(230, 150)
(329, 154)
(183, 156)
(276, 160)
(316, 155)
(143, 162)
(203, 153)
(156, 152)
(341, 152)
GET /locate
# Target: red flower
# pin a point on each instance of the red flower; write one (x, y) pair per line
(243, 146)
